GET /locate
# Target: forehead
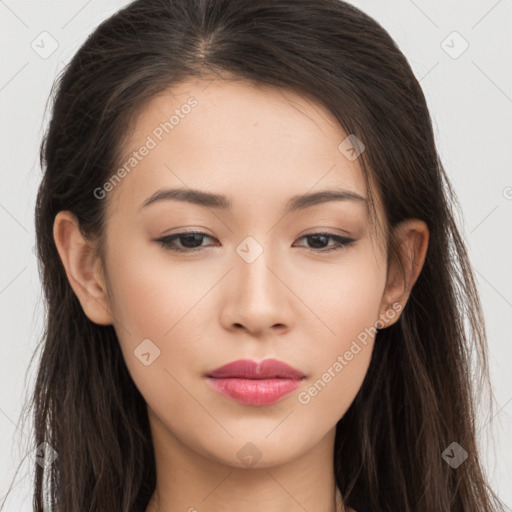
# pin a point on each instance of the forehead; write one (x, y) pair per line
(243, 140)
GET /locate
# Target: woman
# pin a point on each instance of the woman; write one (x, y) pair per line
(256, 287)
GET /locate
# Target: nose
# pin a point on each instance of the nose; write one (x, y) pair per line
(258, 298)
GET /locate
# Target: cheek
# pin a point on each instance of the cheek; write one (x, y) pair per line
(152, 294)
(345, 296)
(154, 303)
(348, 305)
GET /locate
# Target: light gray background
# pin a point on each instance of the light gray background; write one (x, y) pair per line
(470, 99)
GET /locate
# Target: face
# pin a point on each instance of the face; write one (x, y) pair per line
(266, 276)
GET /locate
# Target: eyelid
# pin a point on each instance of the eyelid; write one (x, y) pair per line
(326, 231)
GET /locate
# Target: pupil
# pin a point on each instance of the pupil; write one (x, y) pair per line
(191, 237)
(315, 239)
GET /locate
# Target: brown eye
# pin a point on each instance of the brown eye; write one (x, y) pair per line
(190, 241)
(319, 242)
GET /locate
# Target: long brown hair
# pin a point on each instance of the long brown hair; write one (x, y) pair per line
(417, 397)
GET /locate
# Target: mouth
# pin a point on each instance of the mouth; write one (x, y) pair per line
(255, 383)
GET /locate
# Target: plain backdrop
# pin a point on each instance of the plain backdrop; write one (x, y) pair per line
(461, 51)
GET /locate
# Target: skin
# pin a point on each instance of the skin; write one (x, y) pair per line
(258, 146)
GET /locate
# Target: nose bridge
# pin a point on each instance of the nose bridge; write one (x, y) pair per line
(252, 268)
(259, 296)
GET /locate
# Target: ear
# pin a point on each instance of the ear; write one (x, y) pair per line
(412, 236)
(83, 268)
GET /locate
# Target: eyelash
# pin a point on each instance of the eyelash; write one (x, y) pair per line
(341, 242)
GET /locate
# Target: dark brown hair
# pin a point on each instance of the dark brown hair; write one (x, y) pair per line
(417, 397)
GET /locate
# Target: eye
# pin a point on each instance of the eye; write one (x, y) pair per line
(192, 241)
(319, 241)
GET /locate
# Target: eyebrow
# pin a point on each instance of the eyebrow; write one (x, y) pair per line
(211, 200)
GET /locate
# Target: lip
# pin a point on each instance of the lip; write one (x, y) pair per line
(255, 383)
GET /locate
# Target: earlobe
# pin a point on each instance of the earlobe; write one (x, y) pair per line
(413, 237)
(83, 268)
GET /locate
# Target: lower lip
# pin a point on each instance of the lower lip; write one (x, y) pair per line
(254, 391)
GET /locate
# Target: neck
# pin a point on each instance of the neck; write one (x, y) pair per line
(190, 481)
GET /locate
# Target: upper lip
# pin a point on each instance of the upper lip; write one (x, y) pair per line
(265, 369)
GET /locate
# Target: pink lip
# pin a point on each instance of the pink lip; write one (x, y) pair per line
(255, 383)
